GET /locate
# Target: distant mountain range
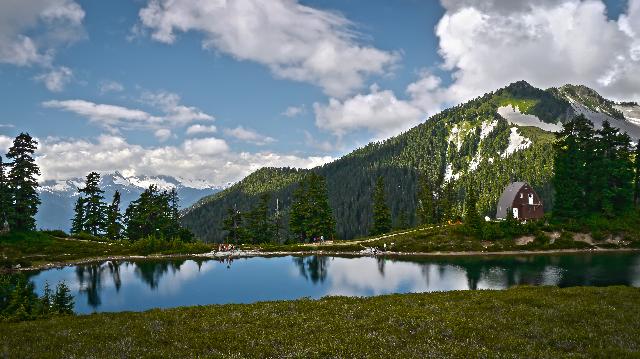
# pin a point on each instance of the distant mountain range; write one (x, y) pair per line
(58, 197)
(487, 142)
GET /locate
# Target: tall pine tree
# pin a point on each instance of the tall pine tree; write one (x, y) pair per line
(311, 216)
(5, 195)
(426, 203)
(573, 154)
(472, 218)
(114, 218)
(95, 220)
(23, 184)
(381, 211)
(232, 223)
(259, 223)
(636, 194)
(77, 223)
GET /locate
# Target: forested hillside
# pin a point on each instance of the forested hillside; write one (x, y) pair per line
(467, 145)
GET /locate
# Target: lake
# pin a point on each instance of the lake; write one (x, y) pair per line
(142, 285)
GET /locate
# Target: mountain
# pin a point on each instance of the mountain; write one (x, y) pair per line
(487, 142)
(58, 197)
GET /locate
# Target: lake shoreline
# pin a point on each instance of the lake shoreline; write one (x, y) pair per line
(253, 253)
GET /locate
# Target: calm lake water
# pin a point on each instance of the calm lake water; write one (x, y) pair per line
(137, 286)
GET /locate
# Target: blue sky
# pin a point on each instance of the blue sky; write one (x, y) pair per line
(214, 90)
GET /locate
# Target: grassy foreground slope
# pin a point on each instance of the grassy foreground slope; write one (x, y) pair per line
(523, 322)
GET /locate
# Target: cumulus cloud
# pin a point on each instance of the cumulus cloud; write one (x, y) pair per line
(380, 112)
(487, 44)
(295, 41)
(175, 112)
(201, 129)
(209, 159)
(110, 86)
(206, 146)
(294, 111)
(56, 79)
(248, 135)
(115, 118)
(162, 134)
(31, 30)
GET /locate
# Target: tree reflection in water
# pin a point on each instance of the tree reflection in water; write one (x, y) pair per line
(314, 268)
(151, 272)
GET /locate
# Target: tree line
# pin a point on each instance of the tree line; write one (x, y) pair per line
(597, 171)
(310, 216)
(18, 185)
(18, 300)
(154, 214)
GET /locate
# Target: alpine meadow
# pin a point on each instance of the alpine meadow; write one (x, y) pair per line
(320, 179)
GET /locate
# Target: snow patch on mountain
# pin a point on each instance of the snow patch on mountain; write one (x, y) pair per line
(486, 128)
(517, 142)
(449, 175)
(515, 117)
(631, 125)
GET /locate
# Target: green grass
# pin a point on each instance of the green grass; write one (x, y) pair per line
(522, 322)
(524, 105)
(33, 248)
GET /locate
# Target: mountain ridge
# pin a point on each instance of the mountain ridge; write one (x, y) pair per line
(462, 143)
(58, 196)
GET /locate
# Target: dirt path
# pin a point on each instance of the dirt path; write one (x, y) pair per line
(347, 243)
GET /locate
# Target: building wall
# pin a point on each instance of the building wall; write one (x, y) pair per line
(522, 202)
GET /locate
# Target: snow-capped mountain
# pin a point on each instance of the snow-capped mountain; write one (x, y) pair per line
(58, 197)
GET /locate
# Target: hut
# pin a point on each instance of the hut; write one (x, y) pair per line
(522, 200)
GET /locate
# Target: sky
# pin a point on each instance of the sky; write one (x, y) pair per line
(215, 89)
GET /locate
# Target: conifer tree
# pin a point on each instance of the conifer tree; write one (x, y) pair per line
(259, 224)
(636, 194)
(23, 184)
(381, 211)
(446, 202)
(95, 220)
(472, 218)
(114, 218)
(311, 216)
(77, 223)
(5, 195)
(403, 220)
(571, 166)
(174, 214)
(426, 204)
(62, 300)
(46, 301)
(232, 223)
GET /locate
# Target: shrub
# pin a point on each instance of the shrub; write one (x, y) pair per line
(56, 233)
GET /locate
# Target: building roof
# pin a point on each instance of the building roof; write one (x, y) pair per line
(507, 197)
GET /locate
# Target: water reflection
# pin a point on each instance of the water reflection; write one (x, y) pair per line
(116, 286)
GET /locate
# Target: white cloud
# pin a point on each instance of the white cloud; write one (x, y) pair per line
(115, 118)
(206, 146)
(162, 134)
(248, 135)
(378, 111)
(175, 112)
(110, 86)
(48, 23)
(56, 79)
(294, 111)
(108, 116)
(487, 44)
(200, 129)
(208, 159)
(296, 42)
